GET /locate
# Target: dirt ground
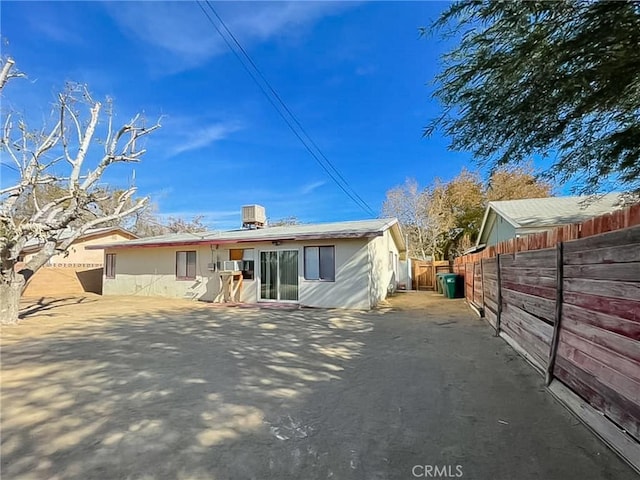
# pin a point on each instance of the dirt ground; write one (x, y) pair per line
(146, 388)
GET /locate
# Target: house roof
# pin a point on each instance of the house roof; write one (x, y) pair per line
(548, 212)
(36, 243)
(352, 229)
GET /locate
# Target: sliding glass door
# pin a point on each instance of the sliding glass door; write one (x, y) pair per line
(279, 275)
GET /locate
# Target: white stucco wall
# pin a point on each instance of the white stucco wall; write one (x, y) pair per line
(151, 271)
(350, 289)
(382, 276)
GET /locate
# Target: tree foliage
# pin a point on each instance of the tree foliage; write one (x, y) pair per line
(550, 78)
(444, 218)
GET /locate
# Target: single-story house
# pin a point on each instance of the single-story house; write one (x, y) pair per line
(508, 219)
(344, 265)
(76, 271)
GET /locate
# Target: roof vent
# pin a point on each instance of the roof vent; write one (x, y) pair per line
(253, 216)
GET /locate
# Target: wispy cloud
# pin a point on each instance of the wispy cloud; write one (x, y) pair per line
(181, 30)
(364, 70)
(56, 33)
(310, 187)
(202, 137)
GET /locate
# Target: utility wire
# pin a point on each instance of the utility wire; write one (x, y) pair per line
(327, 166)
(284, 105)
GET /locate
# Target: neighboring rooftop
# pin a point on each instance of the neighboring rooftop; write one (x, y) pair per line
(553, 211)
(352, 229)
(64, 234)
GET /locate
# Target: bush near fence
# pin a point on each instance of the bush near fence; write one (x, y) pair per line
(569, 301)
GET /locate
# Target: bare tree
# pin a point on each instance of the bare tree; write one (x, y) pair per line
(444, 218)
(182, 225)
(40, 157)
(284, 222)
(410, 205)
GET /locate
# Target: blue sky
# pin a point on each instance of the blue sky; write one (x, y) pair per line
(355, 74)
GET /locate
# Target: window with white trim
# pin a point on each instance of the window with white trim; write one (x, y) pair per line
(186, 265)
(110, 265)
(320, 263)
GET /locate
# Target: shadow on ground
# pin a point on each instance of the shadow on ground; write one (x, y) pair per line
(232, 394)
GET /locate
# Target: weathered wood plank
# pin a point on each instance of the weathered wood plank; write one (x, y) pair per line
(506, 335)
(549, 282)
(604, 288)
(606, 271)
(540, 329)
(538, 306)
(620, 363)
(491, 276)
(620, 442)
(617, 307)
(622, 384)
(609, 402)
(490, 286)
(544, 292)
(527, 342)
(615, 254)
(491, 317)
(625, 236)
(543, 257)
(490, 265)
(621, 326)
(621, 344)
(529, 271)
(490, 304)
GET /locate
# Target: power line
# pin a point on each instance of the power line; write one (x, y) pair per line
(326, 165)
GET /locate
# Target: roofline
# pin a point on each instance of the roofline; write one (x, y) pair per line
(84, 236)
(224, 241)
(484, 221)
(504, 215)
(396, 231)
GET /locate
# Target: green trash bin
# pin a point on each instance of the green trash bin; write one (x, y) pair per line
(450, 281)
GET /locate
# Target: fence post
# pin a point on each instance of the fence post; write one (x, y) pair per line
(558, 318)
(499, 299)
(482, 280)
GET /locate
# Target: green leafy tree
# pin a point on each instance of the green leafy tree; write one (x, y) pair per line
(550, 78)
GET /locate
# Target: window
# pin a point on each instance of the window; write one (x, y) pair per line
(247, 258)
(319, 263)
(393, 262)
(186, 265)
(110, 265)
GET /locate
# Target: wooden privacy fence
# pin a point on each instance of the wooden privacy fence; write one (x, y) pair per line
(569, 301)
(424, 273)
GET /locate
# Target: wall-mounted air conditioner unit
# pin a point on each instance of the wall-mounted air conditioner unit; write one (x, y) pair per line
(232, 265)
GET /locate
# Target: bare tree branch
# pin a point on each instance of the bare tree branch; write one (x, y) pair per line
(43, 203)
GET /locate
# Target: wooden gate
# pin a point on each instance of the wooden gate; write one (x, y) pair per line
(424, 273)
